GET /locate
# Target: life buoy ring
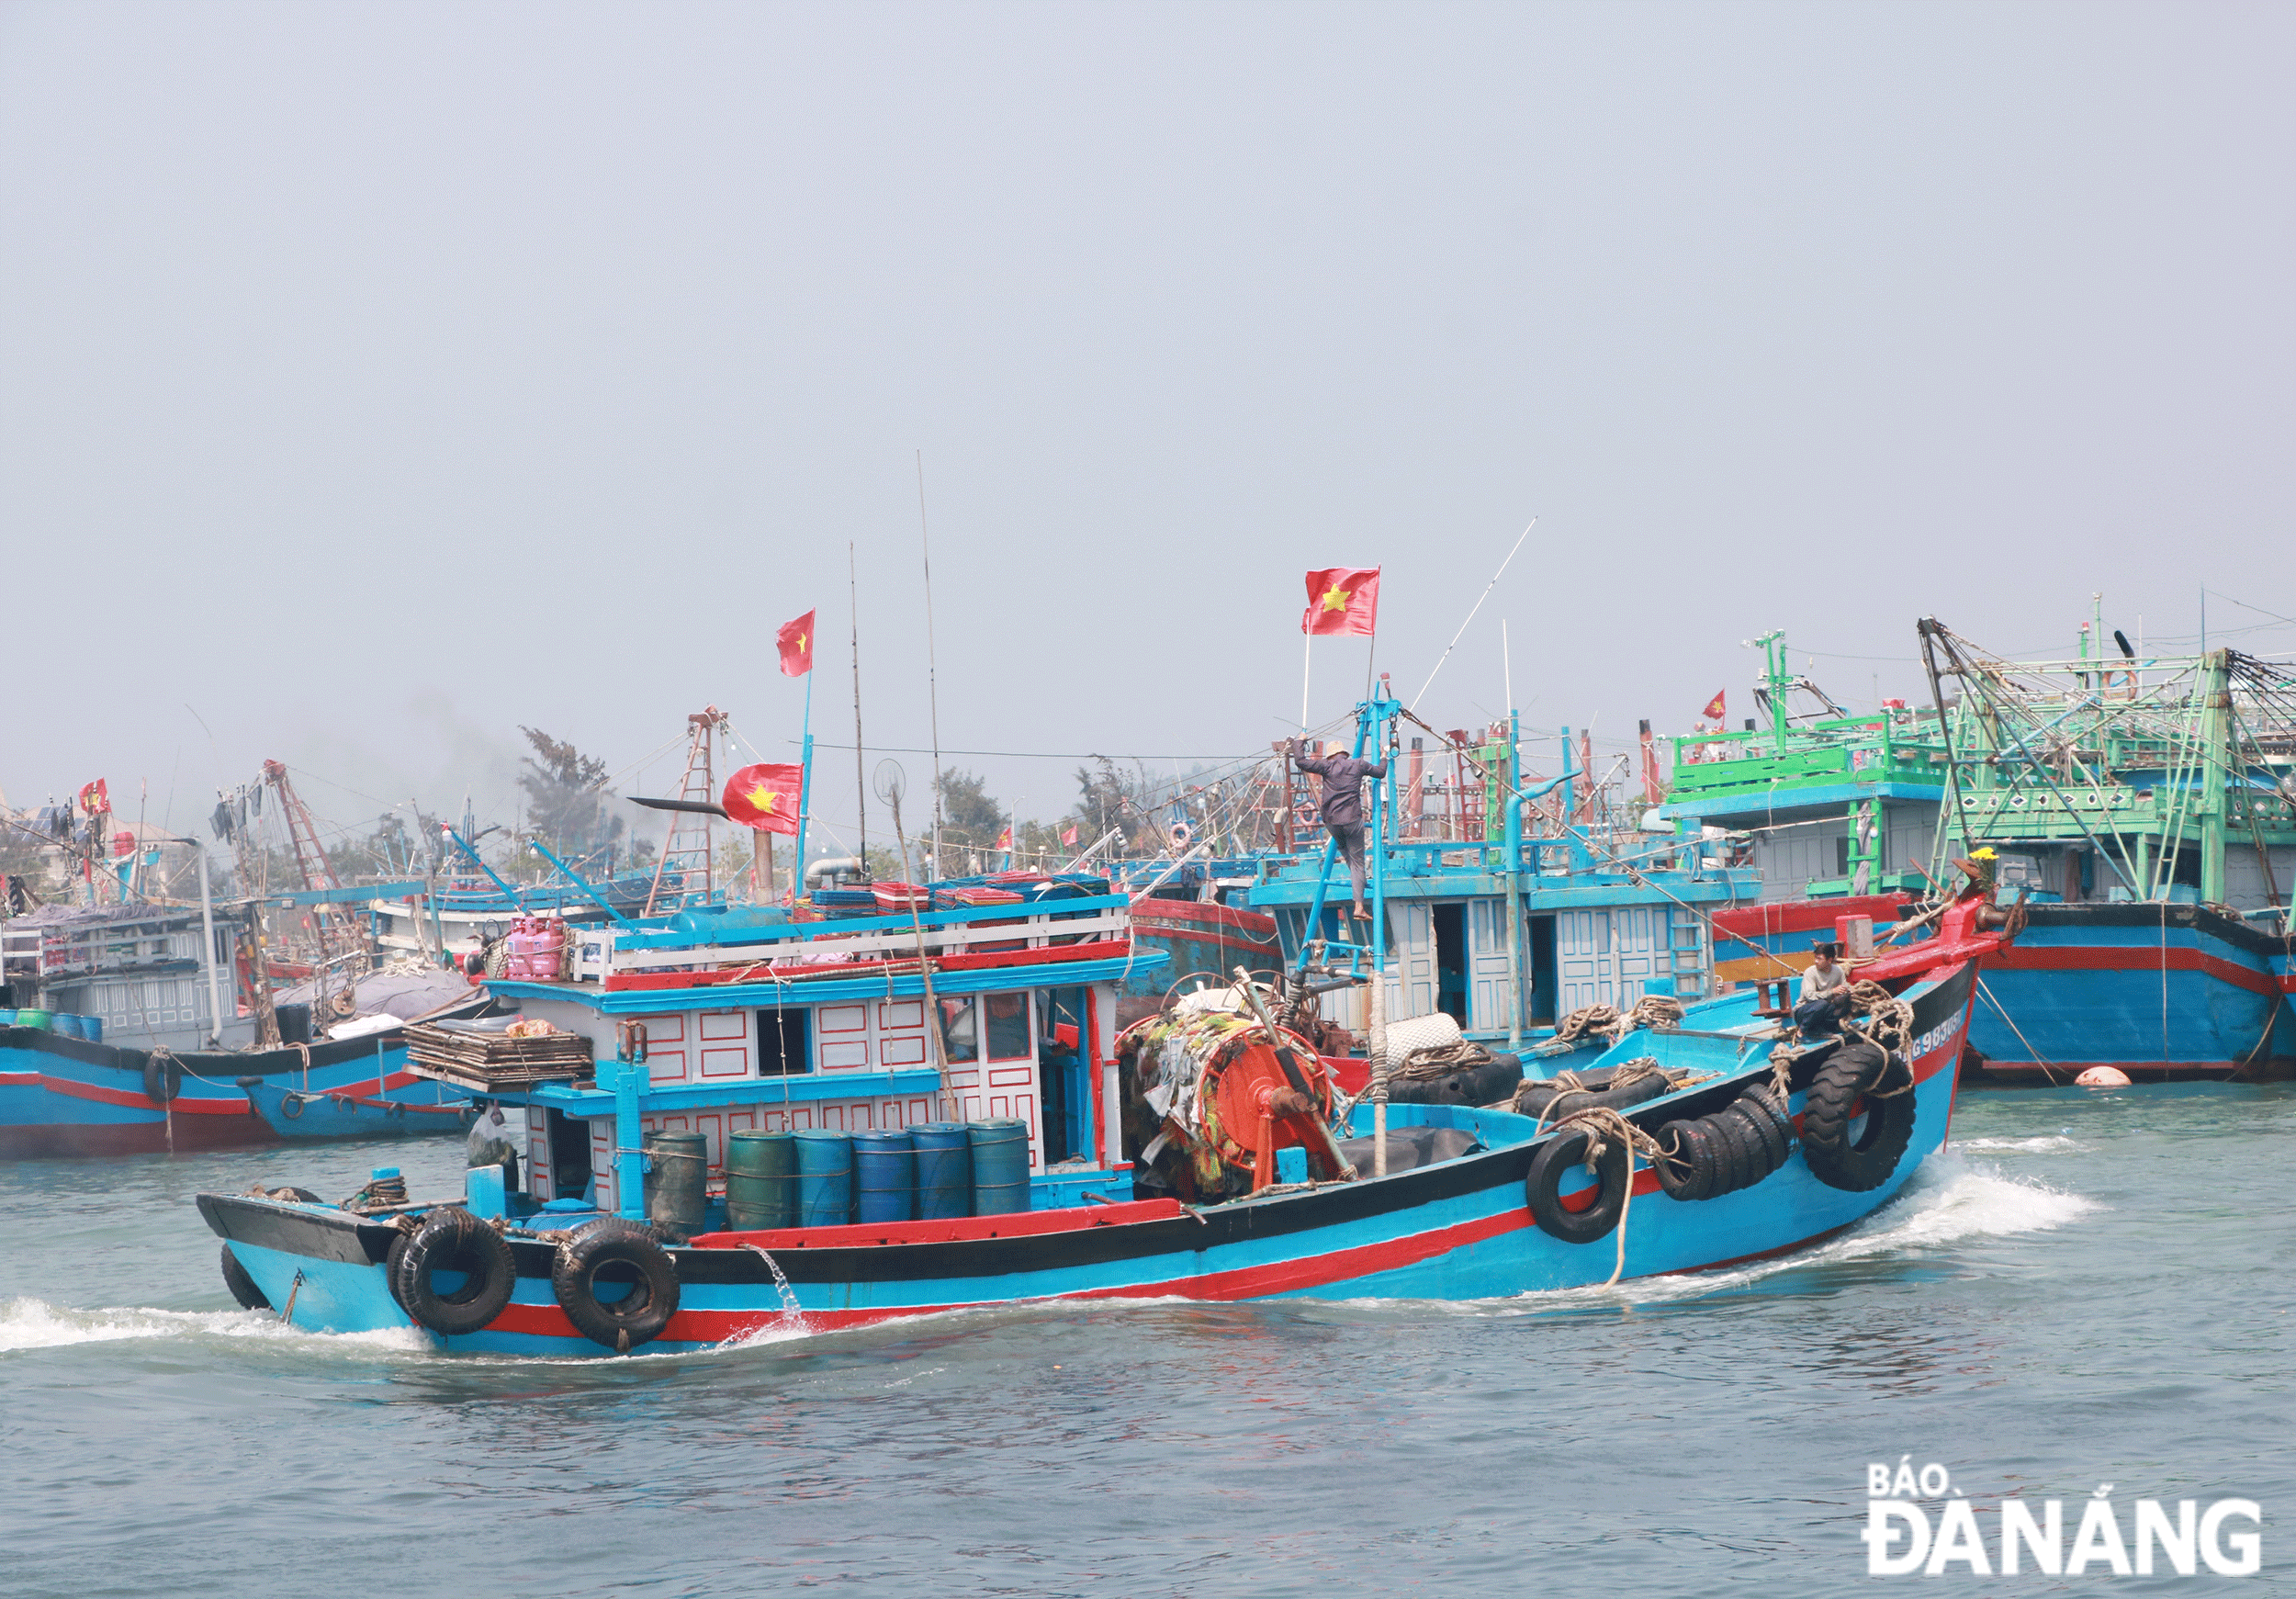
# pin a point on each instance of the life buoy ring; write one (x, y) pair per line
(1304, 816)
(450, 1239)
(1858, 1117)
(1557, 1156)
(162, 1077)
(242, 1286)
(631, 1256)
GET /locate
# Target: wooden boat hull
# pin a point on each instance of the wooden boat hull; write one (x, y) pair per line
(1459, 1229)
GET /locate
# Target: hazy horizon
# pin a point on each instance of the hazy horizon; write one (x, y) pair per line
(385, 380)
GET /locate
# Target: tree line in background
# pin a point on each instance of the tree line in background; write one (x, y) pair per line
(568, 804)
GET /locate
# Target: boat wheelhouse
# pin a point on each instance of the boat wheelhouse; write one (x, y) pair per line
(1509, 914)
(719, 1021)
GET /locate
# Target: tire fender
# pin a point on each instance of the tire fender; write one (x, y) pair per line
(640, 1316)
(1862, 1163)
(452, 1239)
(1557, 1156)
(162, 1077)
(242, 1286)
(1689, 1172)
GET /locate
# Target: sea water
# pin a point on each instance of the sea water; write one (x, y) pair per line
(2086, 1288)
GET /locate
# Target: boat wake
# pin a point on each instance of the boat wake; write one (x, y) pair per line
(29, 1324)
(1949, 1201)
(2049, 1143)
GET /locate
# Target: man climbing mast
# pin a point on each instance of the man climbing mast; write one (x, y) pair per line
(1341, 803)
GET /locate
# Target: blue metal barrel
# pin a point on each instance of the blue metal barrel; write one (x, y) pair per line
(760, 1181)
(1000, 1167)
(884, 1175)
(825, 1179)
(944, 1170)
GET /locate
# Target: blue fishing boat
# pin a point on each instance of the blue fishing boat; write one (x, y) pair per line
(127, 1046)
(63, 1097)
(765, 1136)
(2139, 805)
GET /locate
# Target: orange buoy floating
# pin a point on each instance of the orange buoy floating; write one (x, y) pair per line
(2103, 1077)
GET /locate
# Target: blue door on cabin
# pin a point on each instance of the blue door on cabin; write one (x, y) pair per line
(1411, 990)
(1586, 967)
(1488, 989)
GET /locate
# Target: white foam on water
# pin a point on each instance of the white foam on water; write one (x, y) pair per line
(2049, 1143)
(1948, 1201)
(31, 1323)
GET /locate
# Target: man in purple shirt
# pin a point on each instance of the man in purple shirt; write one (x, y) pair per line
(1341, 804)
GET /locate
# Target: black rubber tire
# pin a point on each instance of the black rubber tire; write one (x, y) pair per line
(1488, 1084)
(243, 1287)
(1762, 1099)
(1861, 1165)
(1557, 1156)
(1754, 1106)
(291, 1104)
(1752, 1147)
(1689, 1173)
(452, 1239)
(637, 1319)
(1737, 1163)
(162, 1078)
(390, 1269)
(1536, 1099)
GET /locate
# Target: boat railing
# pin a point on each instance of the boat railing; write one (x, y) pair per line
(600, 953)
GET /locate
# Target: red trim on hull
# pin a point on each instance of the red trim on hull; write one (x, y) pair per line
(1250, 923)
(186, 1105)
(72, 1139)
(2131, 958)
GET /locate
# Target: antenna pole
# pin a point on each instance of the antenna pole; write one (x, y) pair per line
(932, 676)
(1471, 610)
(860, 781)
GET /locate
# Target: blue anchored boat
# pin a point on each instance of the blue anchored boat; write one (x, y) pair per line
(814, 1125)
(129, 1048)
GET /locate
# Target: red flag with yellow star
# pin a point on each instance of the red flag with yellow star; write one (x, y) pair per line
(765, 797)
(796, 641)
(1343, 600)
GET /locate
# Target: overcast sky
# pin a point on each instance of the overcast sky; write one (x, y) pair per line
(376, 380)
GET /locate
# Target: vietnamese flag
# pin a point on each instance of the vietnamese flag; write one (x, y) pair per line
(96, 798)
(1343, 600)
(796, 641)
(1068, 837)
(1714, 710)
(765, 797)
(1004, 839)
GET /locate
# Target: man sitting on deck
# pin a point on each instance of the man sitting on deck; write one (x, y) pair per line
(1825, 992)
(1341, 804)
